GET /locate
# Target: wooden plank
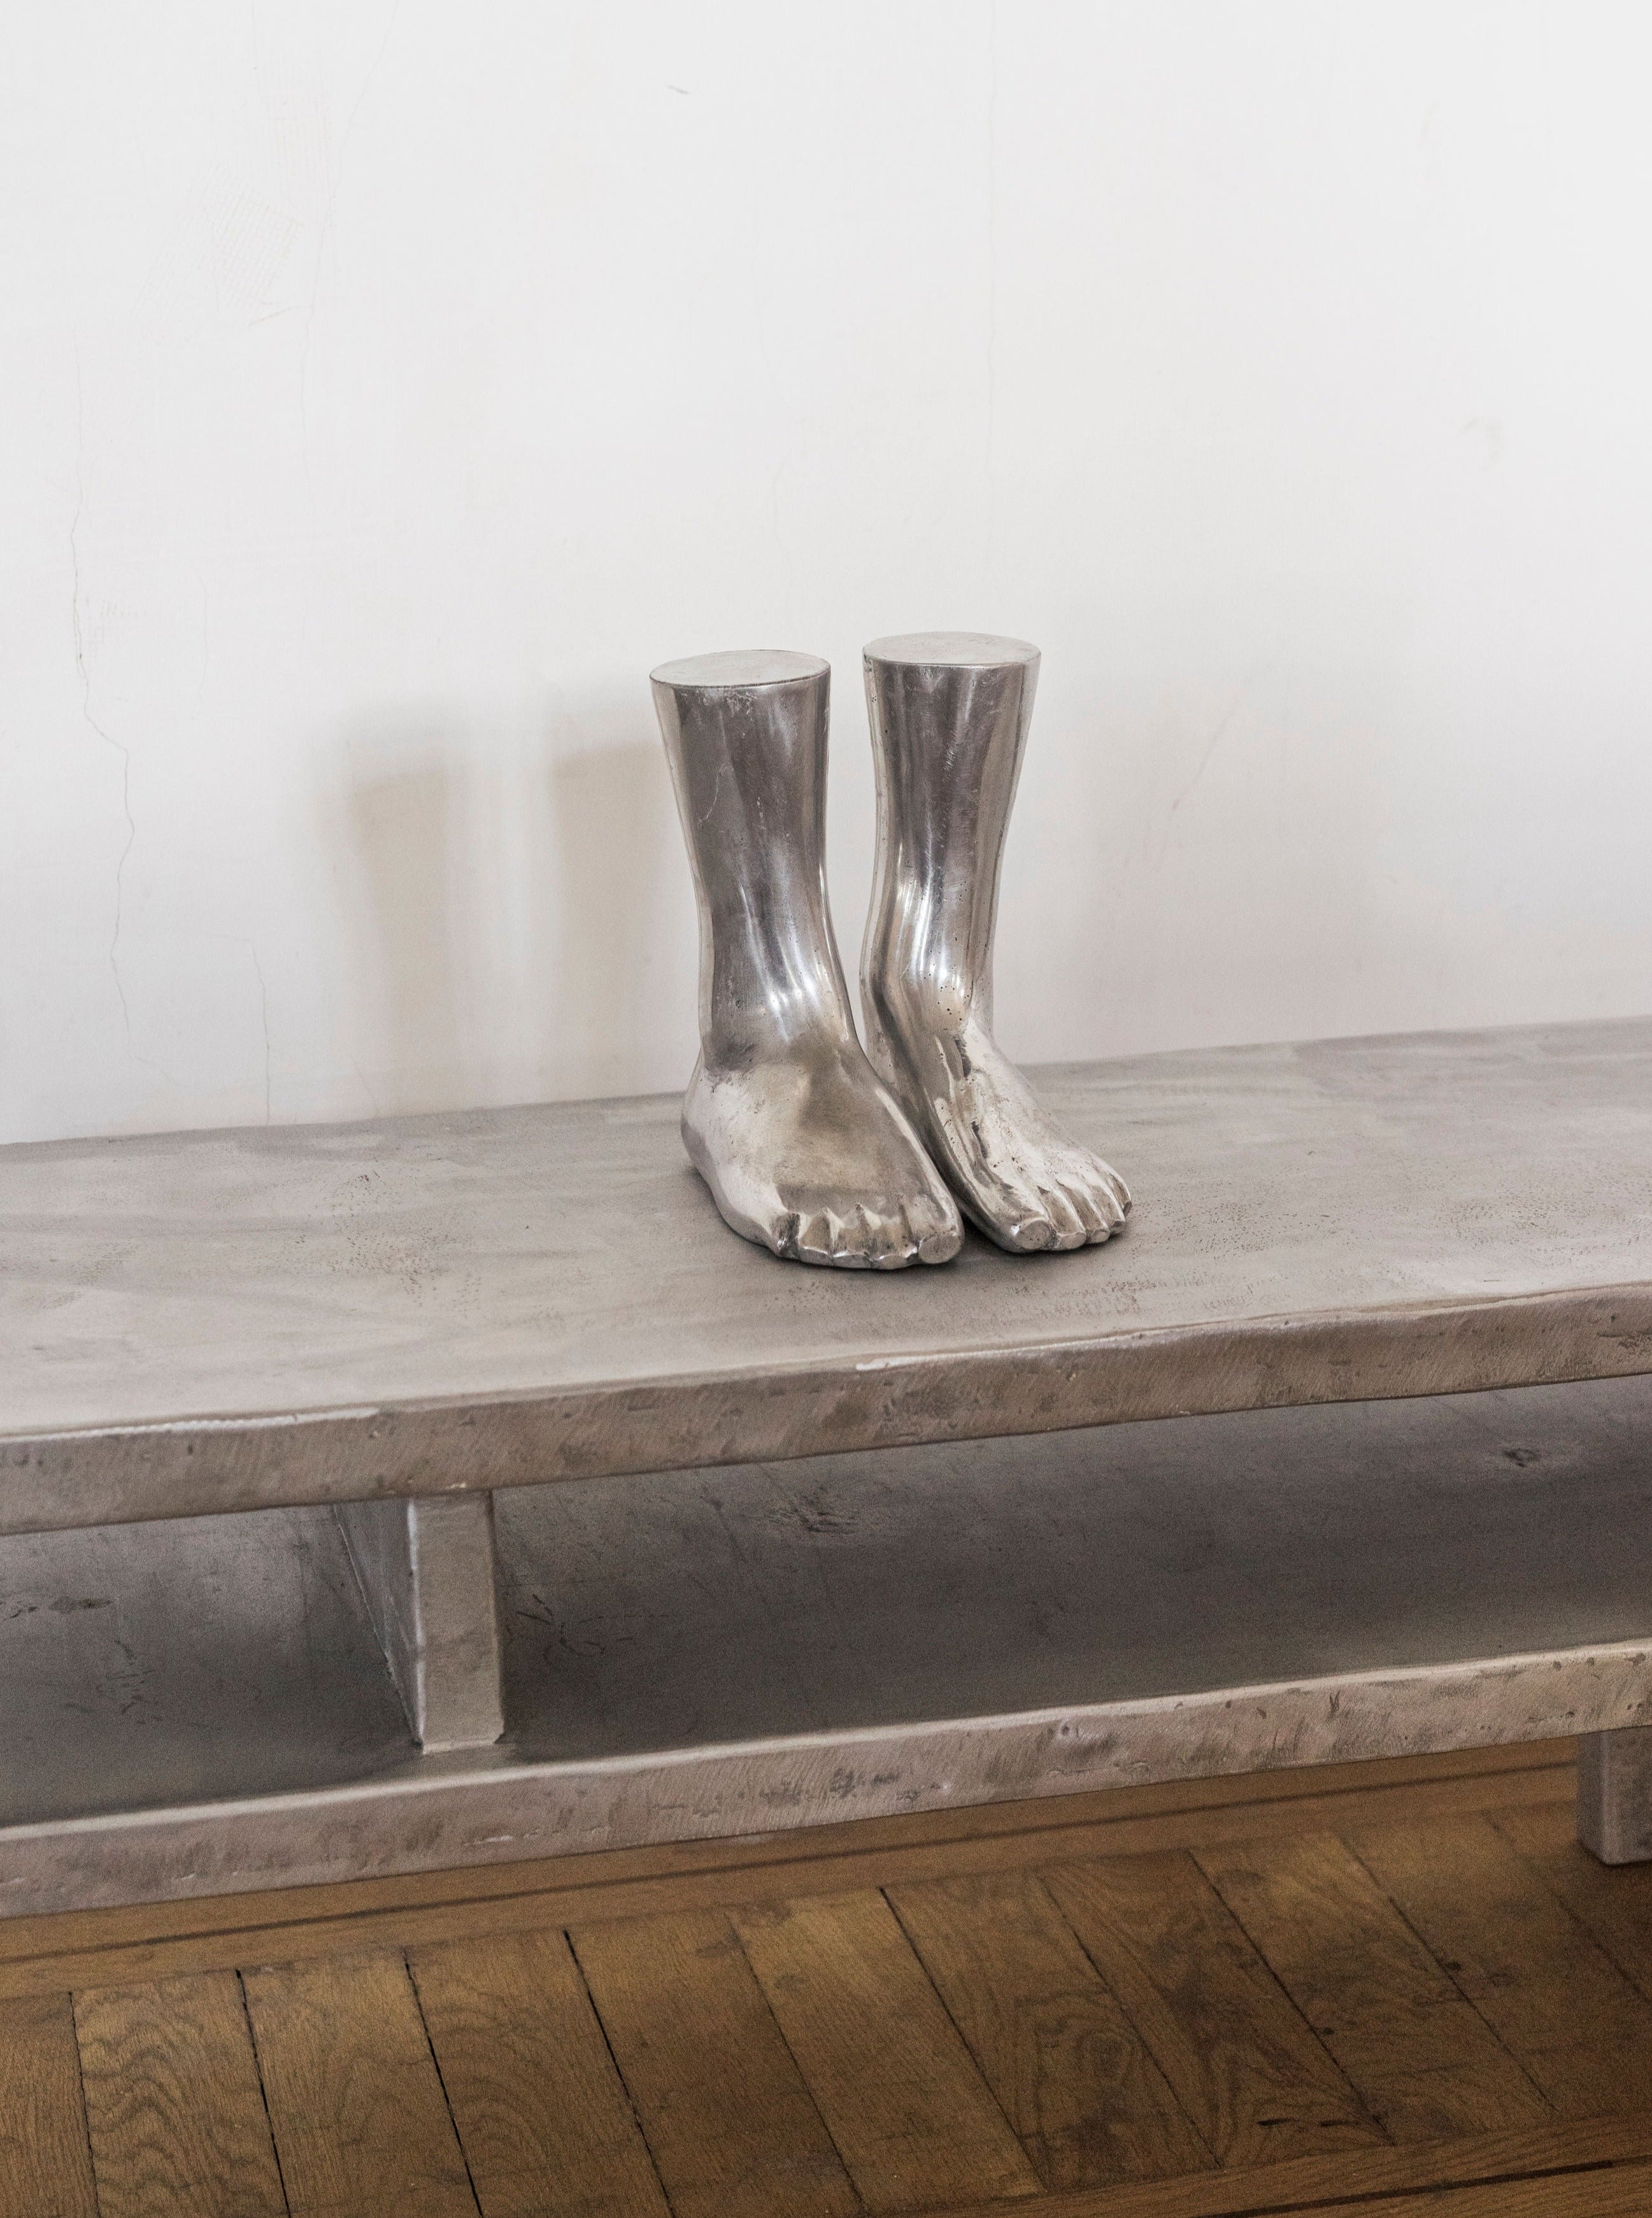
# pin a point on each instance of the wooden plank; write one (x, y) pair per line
(1245, 2067)
(116, 1946)
(546, 2125)
(1071, 2072)
(46, 2169)
(1545, 1986)
(174, 2102)
(1624, 2192)
(1334, 2184)
(1614, 1903)
(732, 2129)
(912, 2116)
(360, 2123)
(1426, 2065)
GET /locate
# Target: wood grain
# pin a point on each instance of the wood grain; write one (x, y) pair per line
(912, 2116)
(1624, 2192)
(1071, 2072)
(1614, 1904)
(1429, 2180)
(360, 2123)
(547, 2127)
(703, 2039)
(110, 1948)
(1245, 2067)
(1548, 1989)
(1424, 2062)
(174, 2102)
(733, 2130)
(46, 2169)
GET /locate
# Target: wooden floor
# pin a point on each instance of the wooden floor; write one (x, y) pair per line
(1393, 1988)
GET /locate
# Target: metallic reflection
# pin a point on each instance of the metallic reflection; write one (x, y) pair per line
(949, 712)
(804, 1150)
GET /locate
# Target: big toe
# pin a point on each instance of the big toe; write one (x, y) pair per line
(936, 1226)
(1008, 1211)
(1061, 1206)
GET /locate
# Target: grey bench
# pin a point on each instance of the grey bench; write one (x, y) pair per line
(1340, 1452)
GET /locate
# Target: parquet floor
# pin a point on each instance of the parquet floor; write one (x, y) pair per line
(1398, 1989)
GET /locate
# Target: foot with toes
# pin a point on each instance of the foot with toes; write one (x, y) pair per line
(811, 1158)
(803, 1147)
(1015, 1174)
(809, 1148)
(950, 713)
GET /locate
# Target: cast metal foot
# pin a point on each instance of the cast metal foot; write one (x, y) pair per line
(950, 713)
(804, 1150)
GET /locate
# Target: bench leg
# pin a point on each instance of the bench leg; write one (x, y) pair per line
(1614, 1794)
(426, 1568)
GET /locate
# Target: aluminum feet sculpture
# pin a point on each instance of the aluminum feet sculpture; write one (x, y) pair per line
(949, 712)
(807, 1147)
(803, 1147)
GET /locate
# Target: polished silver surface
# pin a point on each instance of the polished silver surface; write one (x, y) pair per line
(1614, 1794)
(426, 1570)
(711, 1653)
(950, 713)
(198, 1321)
(803, 1149)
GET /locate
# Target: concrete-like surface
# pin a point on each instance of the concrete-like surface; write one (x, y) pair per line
(229, 1320)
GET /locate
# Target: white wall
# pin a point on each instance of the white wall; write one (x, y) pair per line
(387, 386)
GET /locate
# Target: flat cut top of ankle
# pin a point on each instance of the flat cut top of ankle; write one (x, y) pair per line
(959, 650)
(740, 668)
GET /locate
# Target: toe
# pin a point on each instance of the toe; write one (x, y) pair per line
(889, 1244)
(815, 1237)
(1116, 1194)
(936, 1229)
(1023, 1235)
(886, 1239)
(1095, 1209)
(1100, 1193)
(1007, 1210)
(1013, 1215)
(1104, 1202)
(1062, 1211)
(849, 1235)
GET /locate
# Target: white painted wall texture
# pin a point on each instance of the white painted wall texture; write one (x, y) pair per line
(387, 386)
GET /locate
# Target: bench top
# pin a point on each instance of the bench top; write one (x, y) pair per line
(207, 1320)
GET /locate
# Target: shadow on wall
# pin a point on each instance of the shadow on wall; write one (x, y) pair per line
(402, 828)
(509, 904)
(610, 811)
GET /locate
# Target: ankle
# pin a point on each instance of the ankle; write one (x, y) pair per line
(910, 1000)
(759, 1041)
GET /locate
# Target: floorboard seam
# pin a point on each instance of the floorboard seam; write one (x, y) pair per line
(440, 2080)
(263, 2092)
(1446, 1970)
